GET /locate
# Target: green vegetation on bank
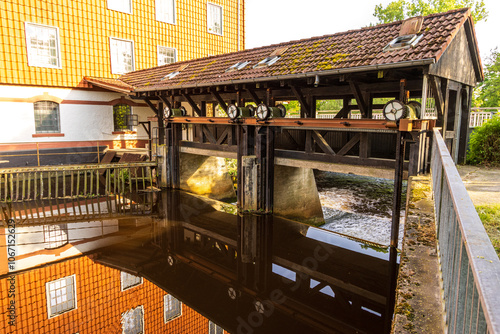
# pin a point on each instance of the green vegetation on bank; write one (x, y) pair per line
(490, 216)
(484, 144)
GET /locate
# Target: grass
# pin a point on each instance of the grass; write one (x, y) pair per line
(490, 216)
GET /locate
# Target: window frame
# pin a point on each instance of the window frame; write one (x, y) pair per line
(37, 131)
(118, 10)
(125, 288)
(172, 317)
(174, 16)
(126, 129)
(221, 19)
(51, 236)
(48, 297)
(114, 69)
(141, 307)
(31, 59)
(158, 47)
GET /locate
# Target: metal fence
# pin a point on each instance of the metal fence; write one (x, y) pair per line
(470, 267)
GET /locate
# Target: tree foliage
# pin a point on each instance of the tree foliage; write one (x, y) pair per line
(484, 144)
(402, 9)
(487, 93)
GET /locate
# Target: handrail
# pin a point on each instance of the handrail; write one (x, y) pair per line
(470, 267)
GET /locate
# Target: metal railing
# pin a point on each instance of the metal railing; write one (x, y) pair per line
(478, 118)
(469, 265)
(73, 181)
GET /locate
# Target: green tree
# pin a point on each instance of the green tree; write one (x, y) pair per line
(487, 94)
(402, 9)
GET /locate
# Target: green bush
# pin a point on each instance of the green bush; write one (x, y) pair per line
(484, 144)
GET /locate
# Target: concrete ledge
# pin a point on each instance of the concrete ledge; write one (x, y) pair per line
(419, 303)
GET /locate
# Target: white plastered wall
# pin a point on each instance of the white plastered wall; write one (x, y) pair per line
(78, 122)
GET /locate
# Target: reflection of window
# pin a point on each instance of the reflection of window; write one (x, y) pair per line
(166, 55)
(173, 308)
(128, 281)
(120, 117)
(42, 43)
(214, 19)
(55, 235)
(214, 329)
(46, 117)
(121, 5)
(165, 11)
(122, 55)
(61, 295)
(133, 321)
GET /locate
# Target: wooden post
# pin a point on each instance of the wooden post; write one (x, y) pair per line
(398, 186)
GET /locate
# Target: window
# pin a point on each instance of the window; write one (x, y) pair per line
(55, 235)
(121, 114)
(166, 55)
(214, 19)
(214, 329)
(238, 66)
(46, 117)
(133, 321)
(121, 5)
(165, 11)
(268, 61)
(42, 43)
(61, 295)
(122, 56)
(128, 281)
(173, 308)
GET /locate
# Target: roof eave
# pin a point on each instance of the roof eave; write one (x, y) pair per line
(377, 67)
(108, 86)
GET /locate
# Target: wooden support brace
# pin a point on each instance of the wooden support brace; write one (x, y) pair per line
(303, 103)
(254, 96)
(363, 106)
(152, 106)
(322, 143)
(346, 109)
(208, 134)
(192, 104)
(224, 135)
(350, 144)
(438, 94)
(220, 100)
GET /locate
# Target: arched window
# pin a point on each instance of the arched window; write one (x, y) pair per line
(121, 114)
(47, 117)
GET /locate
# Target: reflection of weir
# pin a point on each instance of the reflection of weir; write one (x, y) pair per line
(71, 210)
(260, 274)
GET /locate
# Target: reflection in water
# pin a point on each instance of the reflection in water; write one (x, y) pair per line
(177, 262)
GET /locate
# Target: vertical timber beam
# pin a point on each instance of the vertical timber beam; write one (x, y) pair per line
(174, 136)
(398, 186)
(305, 108)
(356, 91)
(466, 102)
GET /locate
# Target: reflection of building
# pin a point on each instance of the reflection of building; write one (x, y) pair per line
(47, 48)
(81, 296)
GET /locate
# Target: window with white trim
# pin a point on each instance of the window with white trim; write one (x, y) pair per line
(42, 43)
(122, 113)
(214, 329)
(166, 55)
(124, 6)
(172, 307)
(61, 295)
(128, 280)
(55, 235)
(46, 117)
(165, 11)
(214, 19)
(122, 55)
(133, 321)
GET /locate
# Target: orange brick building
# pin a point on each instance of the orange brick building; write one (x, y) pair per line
(47, 47)
(98, 303)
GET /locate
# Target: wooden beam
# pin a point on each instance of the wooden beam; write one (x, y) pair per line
(346, 108)
(303, 103)
(208, 134)
(322, 143)
(350, 144)
(438, 94)
(363, 106)
(219, 99)
(192, 104)
(152, 106)
(254, 96)
(166, 101)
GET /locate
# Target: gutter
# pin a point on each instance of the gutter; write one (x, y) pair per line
(378, 67)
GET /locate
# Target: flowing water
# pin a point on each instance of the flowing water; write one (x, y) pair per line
(358, 206)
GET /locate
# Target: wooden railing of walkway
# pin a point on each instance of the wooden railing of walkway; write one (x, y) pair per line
(74, 181)
(469, 265)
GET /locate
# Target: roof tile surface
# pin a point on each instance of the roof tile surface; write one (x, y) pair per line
(355, 48)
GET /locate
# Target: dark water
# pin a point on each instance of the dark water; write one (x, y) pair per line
(244, 273)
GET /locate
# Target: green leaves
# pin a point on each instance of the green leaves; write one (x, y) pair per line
(487, 93)
(402, 9)
(484, 144)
